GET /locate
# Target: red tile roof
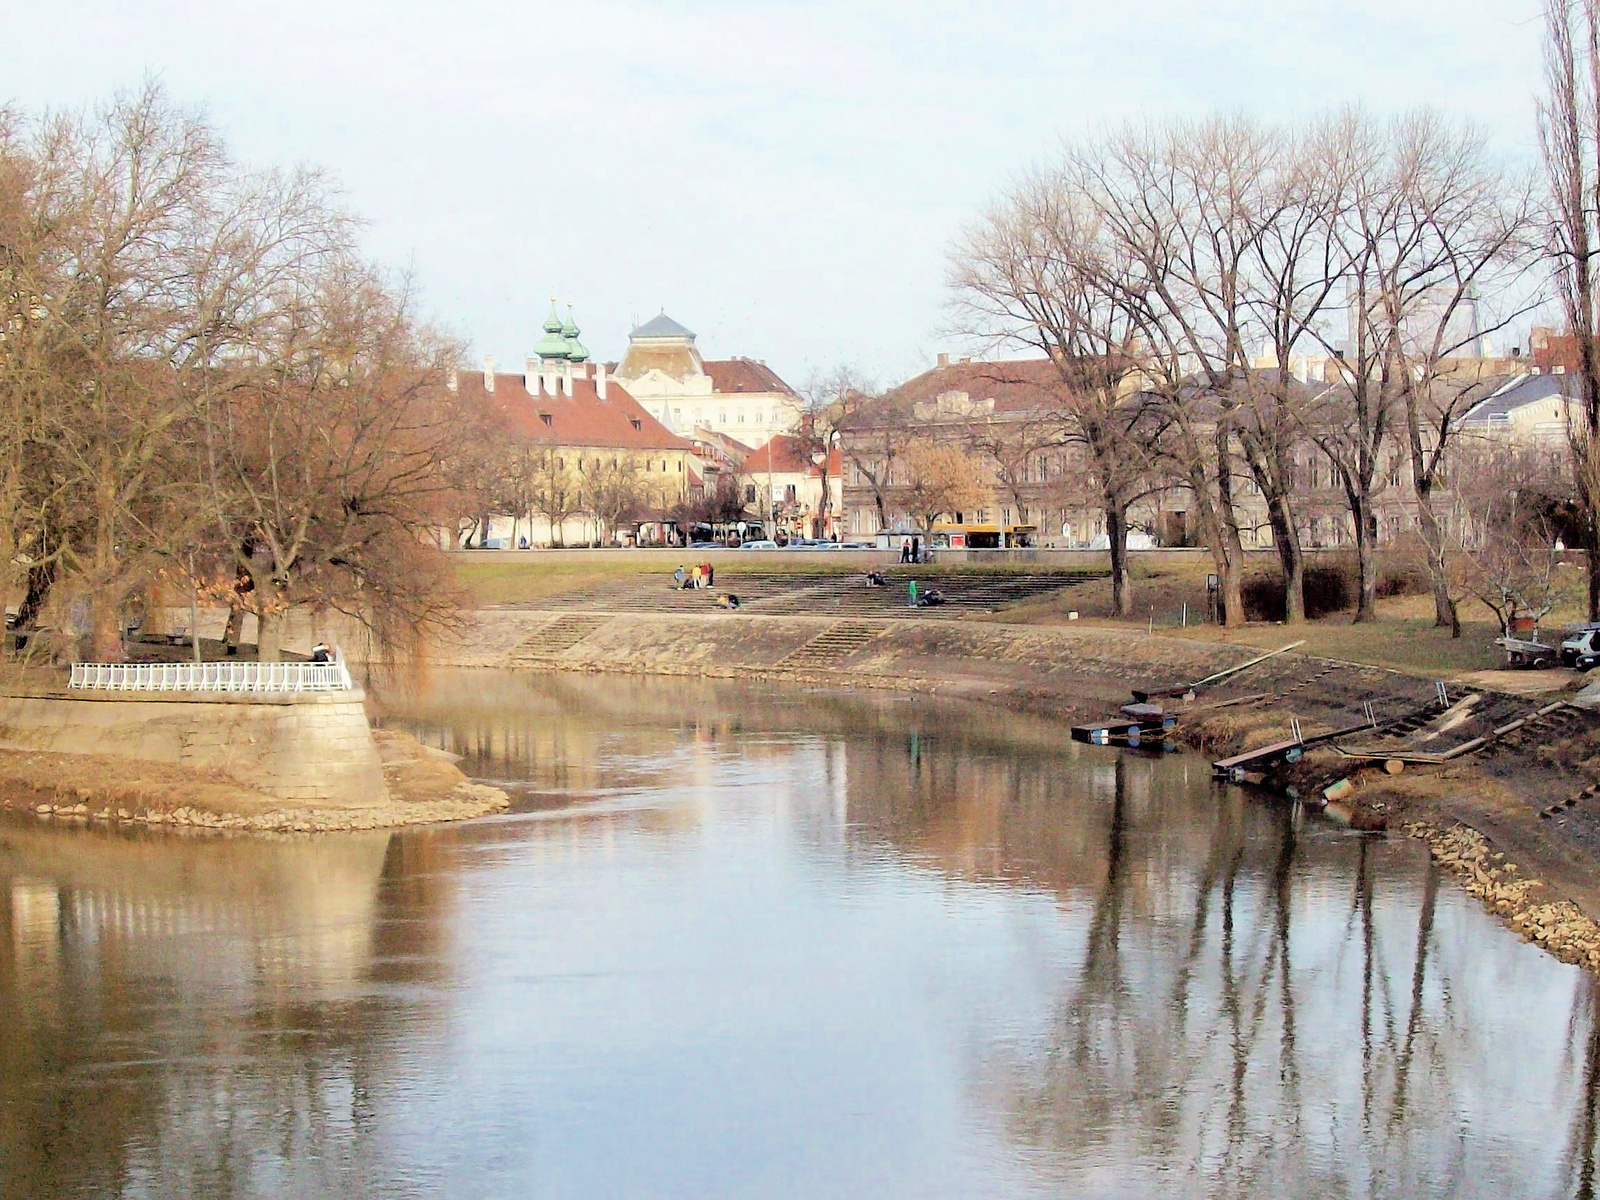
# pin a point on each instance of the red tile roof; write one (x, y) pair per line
(744, 375)
(1017, 385)
(581, 419)
(785, 455)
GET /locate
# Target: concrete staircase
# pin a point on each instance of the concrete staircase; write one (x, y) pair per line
(555, 638)
(833, 644)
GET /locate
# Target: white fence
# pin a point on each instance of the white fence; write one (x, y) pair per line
(212, 677)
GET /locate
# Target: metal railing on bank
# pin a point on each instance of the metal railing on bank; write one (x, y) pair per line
(276, 677)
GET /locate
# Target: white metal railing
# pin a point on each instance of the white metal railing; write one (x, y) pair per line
(213, 677)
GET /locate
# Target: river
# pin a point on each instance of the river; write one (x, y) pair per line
(748, 942)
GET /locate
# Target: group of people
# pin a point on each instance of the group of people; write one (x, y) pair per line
(701, 575)
(911, 550)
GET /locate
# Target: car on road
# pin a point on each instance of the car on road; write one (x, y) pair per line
(1582, 649)
(762, 544)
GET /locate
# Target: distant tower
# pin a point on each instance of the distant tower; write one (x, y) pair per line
(575, 349)
(553, 346)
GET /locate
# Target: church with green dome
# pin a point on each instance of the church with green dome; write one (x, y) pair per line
(560, 342)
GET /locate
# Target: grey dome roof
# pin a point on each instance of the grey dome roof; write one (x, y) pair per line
(662, 326)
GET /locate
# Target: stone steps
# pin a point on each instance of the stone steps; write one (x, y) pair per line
(555, 638)
(833, 644)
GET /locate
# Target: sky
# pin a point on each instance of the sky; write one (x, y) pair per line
(785, 179)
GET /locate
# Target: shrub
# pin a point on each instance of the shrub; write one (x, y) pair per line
(1330, 588)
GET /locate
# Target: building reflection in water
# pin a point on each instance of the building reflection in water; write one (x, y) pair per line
(983, 962)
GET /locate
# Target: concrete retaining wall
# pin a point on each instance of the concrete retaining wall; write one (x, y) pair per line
(296, 747)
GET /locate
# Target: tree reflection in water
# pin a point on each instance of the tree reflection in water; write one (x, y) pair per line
(1069, 971)
(175, 1005)
(1179, 1057)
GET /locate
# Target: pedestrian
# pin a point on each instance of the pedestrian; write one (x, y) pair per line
(913, 602)
(696, 577)
(678, 577)
(905, 552)
(710, 574)
(321, 654)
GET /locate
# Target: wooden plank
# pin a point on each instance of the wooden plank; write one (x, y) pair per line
(1258, 754)
(1221, 675)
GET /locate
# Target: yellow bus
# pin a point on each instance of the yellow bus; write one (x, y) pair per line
(971, 536)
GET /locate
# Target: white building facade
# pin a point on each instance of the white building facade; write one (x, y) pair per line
(740, 398)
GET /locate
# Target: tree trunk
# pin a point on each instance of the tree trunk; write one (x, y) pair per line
(105, 631)
(234, 629)
(1367, 558)
(1433, 540)
(1594, 563)
(1232, 550)
(1291, 559)
(40, 581)
(269, 637)
(194, 623)
(1117, 535)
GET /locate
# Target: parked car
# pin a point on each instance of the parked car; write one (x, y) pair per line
(1582, 649)
(763, 544)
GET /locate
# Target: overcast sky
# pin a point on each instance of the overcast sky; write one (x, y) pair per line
(783, 178)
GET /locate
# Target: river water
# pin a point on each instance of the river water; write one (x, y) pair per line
(735, 941)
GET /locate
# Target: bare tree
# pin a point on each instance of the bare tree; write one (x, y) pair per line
(1037, 271)
(324, 463)
(613, 495)
(874, 432)
(939, 478)
(1569, 129)
(825, 405)
(1501, 539)
(556, 491)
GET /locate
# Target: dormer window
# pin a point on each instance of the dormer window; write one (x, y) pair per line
(547, 418)
(636, 423)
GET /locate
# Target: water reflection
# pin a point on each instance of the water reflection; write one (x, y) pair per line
(743, 941)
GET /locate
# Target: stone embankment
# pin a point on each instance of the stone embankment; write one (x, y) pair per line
(286, 763)
(422, 787)
(1069, 672)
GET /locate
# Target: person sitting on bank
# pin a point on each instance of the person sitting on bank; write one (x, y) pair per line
(727, 600)
(876, 579)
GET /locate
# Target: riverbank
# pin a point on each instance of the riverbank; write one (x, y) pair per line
(1545, 881)
(423, 787)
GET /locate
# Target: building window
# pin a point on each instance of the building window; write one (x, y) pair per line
(749, 493)
(741, 418)
(680, 466)
(722, 417)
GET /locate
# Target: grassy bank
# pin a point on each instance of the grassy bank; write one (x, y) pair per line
(1169, 593)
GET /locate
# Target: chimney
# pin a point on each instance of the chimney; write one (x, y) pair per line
(944, 360)
(600, 380)
(452, 379)
(531, 379)
(488, 372)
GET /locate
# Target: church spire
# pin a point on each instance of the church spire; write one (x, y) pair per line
(576, 351)
(553, 345)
